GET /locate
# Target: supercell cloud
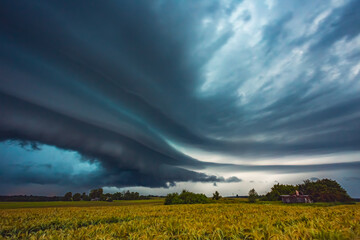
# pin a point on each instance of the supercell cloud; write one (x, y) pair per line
(128, 90)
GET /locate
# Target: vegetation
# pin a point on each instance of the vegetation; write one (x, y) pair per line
(216, 195)
(324, 190)
(201, 221)
(253, 195)
(68, 196)
(85, 197)
(128, 196)
(277, 190)
(27, 198)
(223, 218)
(77, 197)
(185, 197)
(81, 204)
(96, 193)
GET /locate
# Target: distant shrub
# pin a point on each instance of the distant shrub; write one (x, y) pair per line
(185, 197)
(68, 196)
(173, 198)
(77, 197)
(216, 195)
(253, 195)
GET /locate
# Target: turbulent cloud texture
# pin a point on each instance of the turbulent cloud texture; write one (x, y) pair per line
(128, 84)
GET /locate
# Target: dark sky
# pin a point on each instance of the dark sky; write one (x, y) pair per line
(158, 95)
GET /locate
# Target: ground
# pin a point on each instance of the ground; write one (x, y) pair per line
(150, 219)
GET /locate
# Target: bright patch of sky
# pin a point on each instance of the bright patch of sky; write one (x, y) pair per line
(47, 159)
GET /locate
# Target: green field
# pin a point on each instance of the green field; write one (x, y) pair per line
(150, 219)
(12, 205)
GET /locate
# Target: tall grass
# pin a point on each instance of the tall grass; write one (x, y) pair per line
(210, 221)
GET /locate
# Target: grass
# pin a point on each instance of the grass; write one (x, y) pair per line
(14, 205)
(149, 219)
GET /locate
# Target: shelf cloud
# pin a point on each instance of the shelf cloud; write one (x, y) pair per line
(127, 85)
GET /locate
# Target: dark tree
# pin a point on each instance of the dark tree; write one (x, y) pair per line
(85, 197)
(216, 196)
(277, 190)
(185, 197)
(127, 195)
(96, 193)
(77, 197)
(324, 190)
(252, 195)
(68, 196)
(107, 197)
(118, 196)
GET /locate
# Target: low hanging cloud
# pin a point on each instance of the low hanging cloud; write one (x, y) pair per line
(127, 84)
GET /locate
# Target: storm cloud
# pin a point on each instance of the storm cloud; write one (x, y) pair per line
(128, 85)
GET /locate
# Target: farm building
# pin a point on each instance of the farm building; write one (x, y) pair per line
(296, 198)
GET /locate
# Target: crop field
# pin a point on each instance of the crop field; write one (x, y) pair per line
(12, 205)
(151, 220)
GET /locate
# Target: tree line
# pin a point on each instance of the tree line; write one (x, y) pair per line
(99, 195)
(29, 198)
(324, 190)
(94, 194)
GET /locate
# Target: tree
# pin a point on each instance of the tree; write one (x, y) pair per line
(173, 198)
(216, 196)
(279, 189)
(118, 196)
(77, 197)
(96, 193)
(324, 190)
(185, 197)
(85, 197)
(252, 195)
(190, 198)
(127, 195)
(68, 196)
(107, 197)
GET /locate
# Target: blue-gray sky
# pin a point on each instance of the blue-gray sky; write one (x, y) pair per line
(163, 95)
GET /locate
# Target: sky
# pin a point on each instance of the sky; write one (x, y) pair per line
(160, 96)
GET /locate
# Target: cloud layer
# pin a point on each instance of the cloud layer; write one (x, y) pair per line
(127, 84)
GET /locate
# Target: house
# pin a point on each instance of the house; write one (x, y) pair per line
(296, 198)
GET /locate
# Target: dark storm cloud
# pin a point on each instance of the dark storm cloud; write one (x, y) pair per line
(119, 83)
(289, 168)
(356, 179)
(127, 162)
